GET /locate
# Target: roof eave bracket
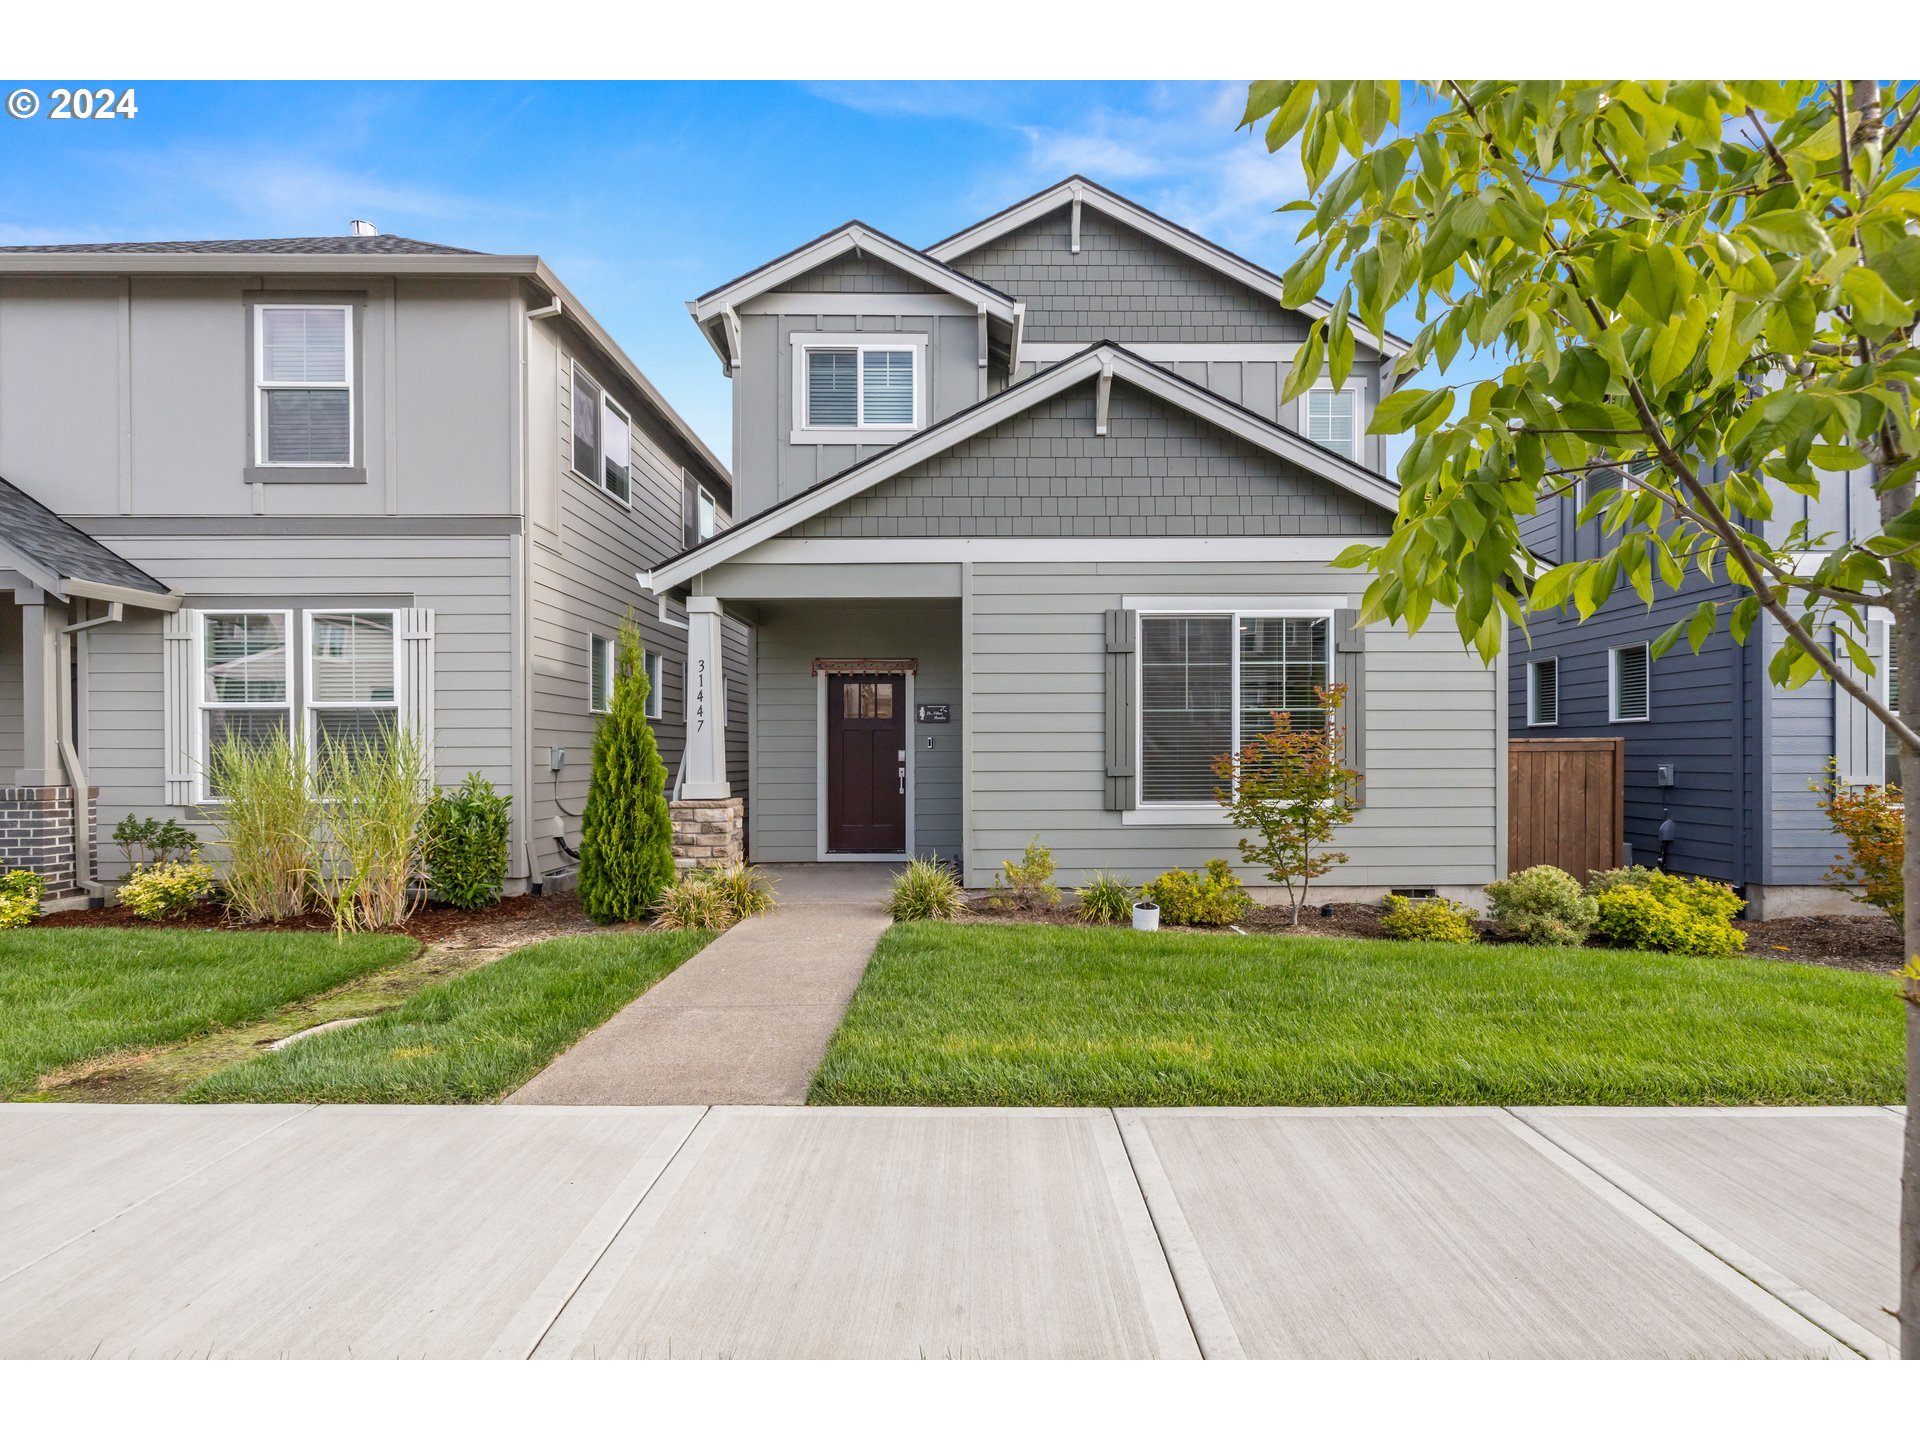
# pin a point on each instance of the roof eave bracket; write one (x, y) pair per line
(1076, 219)
(1103, 393)
(730, 320)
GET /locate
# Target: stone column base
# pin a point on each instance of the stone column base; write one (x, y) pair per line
(708, 832)
(36, 833)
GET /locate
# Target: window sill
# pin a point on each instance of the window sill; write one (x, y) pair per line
(852, 435)
(592, 484)
(1174, 815)
(305, 475)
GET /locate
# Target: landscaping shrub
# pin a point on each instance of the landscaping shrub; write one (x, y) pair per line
(926, 890)
(747, 889)
(626, 834)
(372, 827)
(1542, 906)
(1642, 909)
(1291, 788)
(166, 888)
(1211, 897)
(1026, 883)
(1433, 918)
(1869, 819)
(694, 901)
(265, 824)
(20, 892)
(1106, 899)
(466, 844)
(144, 840)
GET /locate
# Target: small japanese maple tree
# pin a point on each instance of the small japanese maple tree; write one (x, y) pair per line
(1293, 790)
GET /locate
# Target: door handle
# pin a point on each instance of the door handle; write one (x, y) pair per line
(903, 779)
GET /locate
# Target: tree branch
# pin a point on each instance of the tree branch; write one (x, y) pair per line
(1779, 161)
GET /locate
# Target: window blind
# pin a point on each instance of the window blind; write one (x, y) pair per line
(1330, 419)
(244, 660)
(1283, 664)
(305, 374)
(887, 387)
(1543, 695)
(600, 674)
(1186, 705)
(303, 346)
(1630, 692)
(832, 386)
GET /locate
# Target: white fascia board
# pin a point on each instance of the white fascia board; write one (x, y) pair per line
(831, 247)
(1168, 234)
(30, 570)
(960, 549)
(1048, 383)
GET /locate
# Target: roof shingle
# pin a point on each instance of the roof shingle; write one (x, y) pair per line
(292, 245)
(62, 549)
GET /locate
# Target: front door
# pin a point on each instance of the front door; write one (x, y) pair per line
(867, 763)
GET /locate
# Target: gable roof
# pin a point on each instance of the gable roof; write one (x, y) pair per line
(711, 309)
(1077, 188)
(290, 245)
(64, 559)
(1104, 358)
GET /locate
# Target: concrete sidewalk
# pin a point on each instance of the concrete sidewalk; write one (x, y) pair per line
(747, 1020)
(774, 1232)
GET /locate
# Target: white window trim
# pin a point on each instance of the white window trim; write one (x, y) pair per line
(1614, 717)
(1186, 812)
(309, 707)
(202, 746)
(594, 642)
(1533, 692)
(598, 480)
(859, 341)
(261, 385)
(701, 492)
(1359, 394)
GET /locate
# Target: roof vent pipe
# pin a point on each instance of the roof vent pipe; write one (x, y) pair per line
(365, 227)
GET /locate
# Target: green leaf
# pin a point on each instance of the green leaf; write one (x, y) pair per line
(1794, 231)
(1676, 343)
(1875, 306)
(1340, 341)
(1395, 413)
(1307, 364)
(1290, 115)
(1265, 96)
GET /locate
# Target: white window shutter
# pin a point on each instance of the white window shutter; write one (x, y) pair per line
(177, 667)
(416, 672)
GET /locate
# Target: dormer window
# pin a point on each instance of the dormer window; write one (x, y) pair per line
(849, 388)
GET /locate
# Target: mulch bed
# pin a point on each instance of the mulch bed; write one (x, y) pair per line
(534, 916)
(1845, 942)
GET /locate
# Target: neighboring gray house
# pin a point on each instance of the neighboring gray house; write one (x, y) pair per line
(1025, 537)
(328, 483)
(1715, 752)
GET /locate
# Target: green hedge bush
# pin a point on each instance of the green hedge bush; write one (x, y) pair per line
(467, 844)
(1447, 921)
(1542, 906)
(20, 892)
(1212, 897)
(1642, 909)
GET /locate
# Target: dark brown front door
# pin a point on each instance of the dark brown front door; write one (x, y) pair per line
(867, 764)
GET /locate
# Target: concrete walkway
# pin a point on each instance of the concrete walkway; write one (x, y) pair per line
(747, 1020)
(371, 1231)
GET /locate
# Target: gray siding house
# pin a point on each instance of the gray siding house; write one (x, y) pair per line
(1716, 754)
(324, 483)
(1024, 536)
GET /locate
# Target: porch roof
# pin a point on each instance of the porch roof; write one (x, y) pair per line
(67, 562)
(1103, 360)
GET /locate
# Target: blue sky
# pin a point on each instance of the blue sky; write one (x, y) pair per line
(640, 195)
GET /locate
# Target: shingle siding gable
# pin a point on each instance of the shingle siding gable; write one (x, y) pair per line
(1123, 286)
(853, 274)
(1158, 471)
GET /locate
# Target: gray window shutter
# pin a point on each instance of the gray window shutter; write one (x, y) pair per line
(1350, 670)
(1120, 709)
(1859, 737)
(178, 678)
(416, 672)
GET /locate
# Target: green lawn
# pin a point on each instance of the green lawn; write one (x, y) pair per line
(1050, 1015)
(474, 1038)
(70, 995)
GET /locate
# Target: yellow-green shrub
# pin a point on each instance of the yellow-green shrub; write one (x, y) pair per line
(1212, 897)
(1642, 909)
(20, 892)
(1446, 921)
(1542, 906)
(166, 888)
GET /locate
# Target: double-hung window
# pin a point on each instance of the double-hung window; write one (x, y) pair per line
(1629, 683)
(1332, 418)
(602, 438)
(244, 690)
(1543, 692)
(1209, 683)
(353, 665)
(846, 384)
(303, 385)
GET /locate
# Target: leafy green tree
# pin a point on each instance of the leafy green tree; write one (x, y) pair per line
(626, 834)
(1719, 280)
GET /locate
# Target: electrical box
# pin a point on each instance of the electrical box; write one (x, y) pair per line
(1663, 775)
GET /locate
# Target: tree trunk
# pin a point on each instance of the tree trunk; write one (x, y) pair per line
(1906, 637)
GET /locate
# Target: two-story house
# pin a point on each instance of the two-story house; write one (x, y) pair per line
(1025, 537)
(322, 485)
(1721, 764)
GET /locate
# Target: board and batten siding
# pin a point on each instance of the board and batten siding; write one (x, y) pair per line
(464, 579)
(783, 814)
(1434, 738)
(12, 699)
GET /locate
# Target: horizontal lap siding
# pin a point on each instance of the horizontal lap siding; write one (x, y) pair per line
(1800, 740)
(464, 580)
(783, 813)
(1433, 731)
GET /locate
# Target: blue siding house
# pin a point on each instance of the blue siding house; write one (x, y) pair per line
(1720, 763)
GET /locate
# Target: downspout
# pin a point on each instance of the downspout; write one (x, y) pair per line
(83, 873)
(537, 879)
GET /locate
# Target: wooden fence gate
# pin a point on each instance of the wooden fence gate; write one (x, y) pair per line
(1564, 804)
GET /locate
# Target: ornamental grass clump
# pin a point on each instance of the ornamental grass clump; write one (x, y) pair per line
(1642, 909)
(926, 890)
(265, 823)
(1542, 906)
(370, 843)
(626, 833)
(1106, 899)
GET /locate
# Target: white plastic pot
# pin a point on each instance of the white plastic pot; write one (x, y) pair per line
(1146, 916)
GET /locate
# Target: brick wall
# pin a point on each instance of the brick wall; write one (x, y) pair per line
(36, 833)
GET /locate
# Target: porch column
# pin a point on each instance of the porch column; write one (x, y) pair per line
(706, 760)
(40, 680)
